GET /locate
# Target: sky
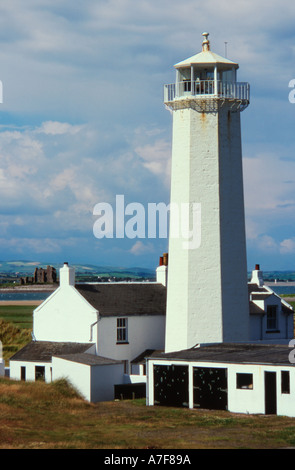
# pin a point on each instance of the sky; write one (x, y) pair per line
(83, 121)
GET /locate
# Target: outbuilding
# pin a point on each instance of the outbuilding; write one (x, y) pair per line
(242, 378)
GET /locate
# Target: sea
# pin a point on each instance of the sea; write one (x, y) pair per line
(12, 296)
(283, 290)
(280, 289)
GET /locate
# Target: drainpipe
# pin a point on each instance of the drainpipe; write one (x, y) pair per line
(92, 325)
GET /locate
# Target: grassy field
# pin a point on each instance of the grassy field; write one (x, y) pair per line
(53, 416)
(20, 315)
(16, 323)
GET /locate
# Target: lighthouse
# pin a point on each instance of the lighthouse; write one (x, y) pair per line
(207, 294)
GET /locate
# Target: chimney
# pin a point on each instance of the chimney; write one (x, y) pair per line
(66, 276)
(165, 259)
(257, 276)
(162, 270)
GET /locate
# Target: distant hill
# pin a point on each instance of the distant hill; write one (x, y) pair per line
(88, 271)
(26, 268)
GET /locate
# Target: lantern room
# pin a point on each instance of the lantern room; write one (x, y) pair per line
(207, 74)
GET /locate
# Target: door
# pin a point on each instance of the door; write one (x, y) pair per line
(171, 385)
(270, 393)
(23, 373)
(210, 388)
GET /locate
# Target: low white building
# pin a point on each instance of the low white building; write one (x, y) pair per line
(242, 378)
(90, 333)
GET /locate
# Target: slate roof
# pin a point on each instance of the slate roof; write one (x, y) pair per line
(141, 359)
(261, 296)
(42, 351)
(122, 299)
(261, 293)
(89, 359)
(257, 289)
(242, 353)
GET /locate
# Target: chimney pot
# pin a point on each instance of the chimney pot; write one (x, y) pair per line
(165, 259)
(257, 267)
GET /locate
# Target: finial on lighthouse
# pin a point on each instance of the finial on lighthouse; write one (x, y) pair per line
(206, 42)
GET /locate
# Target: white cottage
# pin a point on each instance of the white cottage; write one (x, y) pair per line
(271, 317)
(91, 333)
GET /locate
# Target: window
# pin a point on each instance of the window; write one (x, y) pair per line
(285, 381)
(245, 381)
(122, 330)
(271, 319)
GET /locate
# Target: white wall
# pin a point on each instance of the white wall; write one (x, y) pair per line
(103, 379)
(94, 383)
(144, 332)
(253, 401)
(2, 367)
(66, 317)
(15, 370)
(77, 374)
(2, 362)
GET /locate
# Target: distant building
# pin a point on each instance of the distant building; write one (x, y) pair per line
(41, 276)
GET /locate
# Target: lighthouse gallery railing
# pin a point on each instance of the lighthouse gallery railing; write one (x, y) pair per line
(218, 89)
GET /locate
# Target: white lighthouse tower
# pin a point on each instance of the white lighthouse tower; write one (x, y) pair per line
(207, 296)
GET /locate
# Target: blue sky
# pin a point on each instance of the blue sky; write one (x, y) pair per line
(83, 120)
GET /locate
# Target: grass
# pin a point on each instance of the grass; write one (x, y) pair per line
(53, 416)
(16, 322)
(20, 315)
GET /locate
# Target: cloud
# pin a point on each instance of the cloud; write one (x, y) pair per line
(156, 158)
(58, 128)
(52, 176)
(140, 248)
(23, 246)
(287, 246)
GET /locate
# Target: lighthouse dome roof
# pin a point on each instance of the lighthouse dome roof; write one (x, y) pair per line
(206, 57)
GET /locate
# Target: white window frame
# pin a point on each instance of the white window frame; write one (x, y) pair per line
(122, 330)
